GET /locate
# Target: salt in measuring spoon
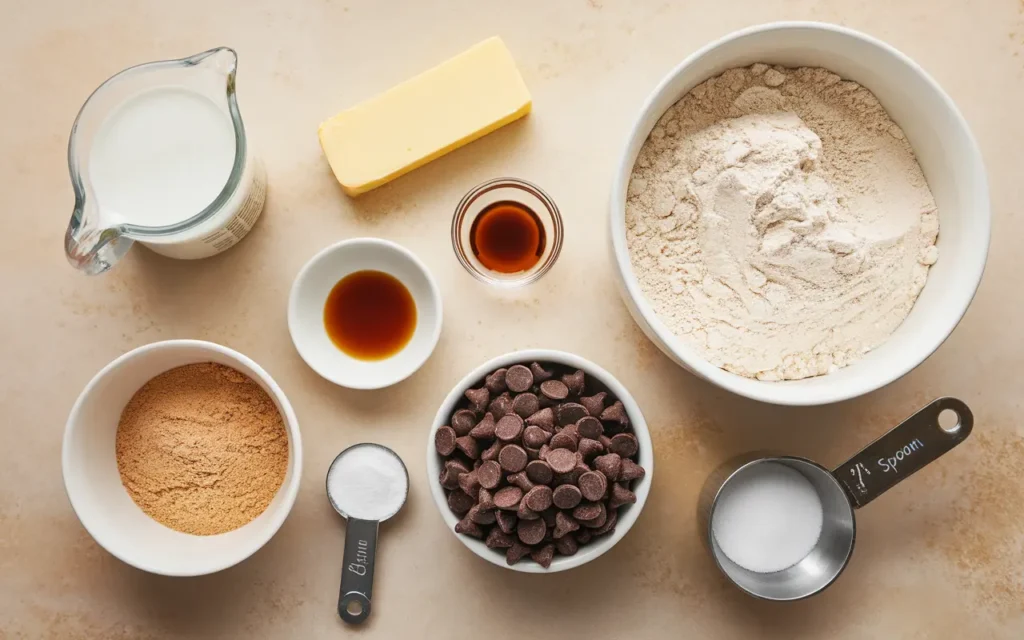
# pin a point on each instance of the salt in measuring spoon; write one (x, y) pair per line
(878, 467)
(367, 484)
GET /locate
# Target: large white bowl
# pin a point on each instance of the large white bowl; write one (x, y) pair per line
(627, 514)
(101, 502)
(945, 148)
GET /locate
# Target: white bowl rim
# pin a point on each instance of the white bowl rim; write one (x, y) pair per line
(435, 294)
(290, 489)
(640, 429)
(764, 391)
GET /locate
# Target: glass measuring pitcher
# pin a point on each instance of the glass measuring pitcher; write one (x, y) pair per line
(158, 154)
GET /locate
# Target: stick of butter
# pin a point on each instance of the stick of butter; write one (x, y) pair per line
(424, 118)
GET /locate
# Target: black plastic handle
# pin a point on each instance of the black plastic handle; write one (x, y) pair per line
(357, 574)
(911, 445)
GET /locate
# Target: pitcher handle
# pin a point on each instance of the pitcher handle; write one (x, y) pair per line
(90, 249)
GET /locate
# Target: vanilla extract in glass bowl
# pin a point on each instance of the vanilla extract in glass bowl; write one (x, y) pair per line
(507, 232)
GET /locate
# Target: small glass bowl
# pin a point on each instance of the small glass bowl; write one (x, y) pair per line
(478, 200)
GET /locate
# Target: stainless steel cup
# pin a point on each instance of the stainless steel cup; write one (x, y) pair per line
(917, 441)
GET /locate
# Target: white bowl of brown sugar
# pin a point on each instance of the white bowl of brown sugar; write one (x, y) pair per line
(182, 457)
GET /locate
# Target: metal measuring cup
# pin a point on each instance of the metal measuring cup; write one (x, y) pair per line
(915, 442)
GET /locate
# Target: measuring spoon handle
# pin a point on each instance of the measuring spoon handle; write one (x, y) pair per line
(357, 572)
(909, 446)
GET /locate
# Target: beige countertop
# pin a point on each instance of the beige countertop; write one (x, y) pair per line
(942, 555)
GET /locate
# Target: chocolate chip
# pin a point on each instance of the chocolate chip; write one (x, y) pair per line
(459, 502)
(531, 531)
(518, 378)
(478, 399)
(563, 441)
(605, 441)
(495, 382)
(470, 484)
(566, 496)
(486, 499)
(538, 498)
(609, 524)
(620, 495)
(516, 552)
(589, 427)
(513, 458)
(456, 467)
(509, 427)
(545, 419)
(544, 449)
(616, 414)
(566, 545)
(526, 513)
(449, 479)
(480, 516)
(532, 454)
(569, 412)
(554, 389)
(469, 528)
(506, 498)
(540, 374)
(544, 555)
(500, 406)
(525, 404)
(534, 437)
(624, 444)
(574, 382)
(506, 521)
(583, 536)
(587, 511)
(498, 539)
(610, 465)
(489, 474)
(561, 460)
(631, 470)
(463, 422)
(599, 520)
(444, 441)
(521, 480)
(484, 430)
(589, 448)
(564, 524)
(594, 403)
(593, 485)
(539, 472)
(468, 446)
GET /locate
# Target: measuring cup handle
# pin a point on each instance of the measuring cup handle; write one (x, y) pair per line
(357, 572)
(906, 448)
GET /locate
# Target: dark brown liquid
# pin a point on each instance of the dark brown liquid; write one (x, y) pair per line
(507, 237)
(370, 315)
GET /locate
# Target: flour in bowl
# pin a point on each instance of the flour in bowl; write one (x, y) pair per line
(779, 223)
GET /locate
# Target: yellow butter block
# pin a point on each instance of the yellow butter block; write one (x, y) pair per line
(424, 118)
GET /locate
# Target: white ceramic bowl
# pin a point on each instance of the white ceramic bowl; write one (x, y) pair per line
(100, 500)
(627, 514)
(945, 148)
(306, 312)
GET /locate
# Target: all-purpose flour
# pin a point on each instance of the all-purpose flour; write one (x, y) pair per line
(778, 222)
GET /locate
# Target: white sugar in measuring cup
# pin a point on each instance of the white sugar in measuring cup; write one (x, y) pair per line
(917, 441)
(367, 484)
(158, 154)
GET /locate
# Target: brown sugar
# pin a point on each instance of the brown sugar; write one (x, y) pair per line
(202, 449)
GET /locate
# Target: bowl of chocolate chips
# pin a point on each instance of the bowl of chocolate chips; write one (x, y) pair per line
(539, 461)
